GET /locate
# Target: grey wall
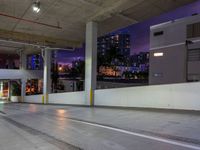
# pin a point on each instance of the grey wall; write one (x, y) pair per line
(172, 67)
(174, 33)
(194, 66)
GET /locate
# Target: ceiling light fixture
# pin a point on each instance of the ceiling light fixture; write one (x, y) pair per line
(36, 6)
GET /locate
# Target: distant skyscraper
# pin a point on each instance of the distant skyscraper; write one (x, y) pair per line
(140, 58)
(119, 41)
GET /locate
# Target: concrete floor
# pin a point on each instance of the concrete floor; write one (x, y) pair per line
(38, 127)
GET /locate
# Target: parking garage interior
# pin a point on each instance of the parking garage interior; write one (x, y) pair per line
(47, 105)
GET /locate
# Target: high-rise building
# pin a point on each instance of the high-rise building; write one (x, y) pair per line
(121, 42)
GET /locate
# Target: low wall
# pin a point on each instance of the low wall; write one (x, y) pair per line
(174, 96)
(10, 74)
(33, 99)
(72, 98)
(20, 74)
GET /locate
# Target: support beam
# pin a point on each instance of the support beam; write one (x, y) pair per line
(47, 75)
(1, 88)
(95, 5)
(9, 90)
(133, 21)
(22, 60)
(23, 89)
(114, 9)
(90, 62)
(23, 68)
(37, 39)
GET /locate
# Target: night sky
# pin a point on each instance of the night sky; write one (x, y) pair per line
(139, 32)
(64, 56)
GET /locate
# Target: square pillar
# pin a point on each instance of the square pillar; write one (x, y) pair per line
(23, 60)
(23, 89)
(46, 75)
(23, 65)
(90, 62)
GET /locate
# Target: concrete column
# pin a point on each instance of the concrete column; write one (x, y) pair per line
(23, 89)
(9, 91)
(90, 62)
(23, 60)
(23, 65)
(1, 88)
(47, 75)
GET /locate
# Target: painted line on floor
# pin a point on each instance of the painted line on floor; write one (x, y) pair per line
(172, 142)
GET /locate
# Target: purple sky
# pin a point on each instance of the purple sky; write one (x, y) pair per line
(69, 56)
(139, 32)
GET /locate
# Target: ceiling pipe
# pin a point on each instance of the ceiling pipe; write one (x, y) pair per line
(37, 45)
(1, 45)
(29, 21)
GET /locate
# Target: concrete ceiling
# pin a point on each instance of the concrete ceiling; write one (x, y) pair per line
(68, 18)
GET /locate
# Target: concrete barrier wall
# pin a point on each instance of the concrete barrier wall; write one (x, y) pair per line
(10, 74)
(174, 96)
(33, 99)
(20, 74)
(72, 98)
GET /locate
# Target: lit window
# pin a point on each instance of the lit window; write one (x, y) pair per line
(160, 54)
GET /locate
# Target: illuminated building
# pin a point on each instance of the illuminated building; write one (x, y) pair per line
(119, 41)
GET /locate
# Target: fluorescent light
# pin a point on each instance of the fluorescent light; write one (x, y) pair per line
(160, 54)
(36, 7)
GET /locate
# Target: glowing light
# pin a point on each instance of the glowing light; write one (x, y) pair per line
(36, 7)
(60, 68)
(158, 54)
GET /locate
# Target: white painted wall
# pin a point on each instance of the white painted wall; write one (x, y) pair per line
(10, 74)
(72, 98)
(33, 99)
(20, 74)
(174, 96)
(183, 96)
